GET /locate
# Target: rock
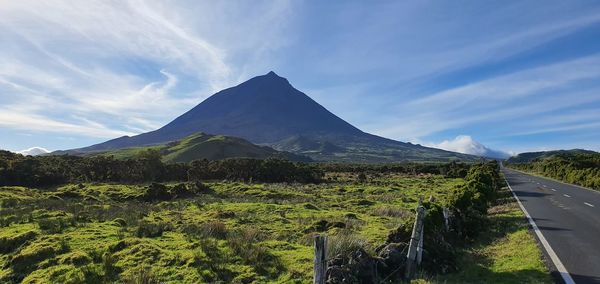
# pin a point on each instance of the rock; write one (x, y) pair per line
(394, 254)
(201, 188)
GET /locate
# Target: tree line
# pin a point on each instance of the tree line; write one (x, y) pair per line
(16, 169)
(452, 169)
(577, 168)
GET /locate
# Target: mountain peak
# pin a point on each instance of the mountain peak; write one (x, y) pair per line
(268, 110)
(272, 76)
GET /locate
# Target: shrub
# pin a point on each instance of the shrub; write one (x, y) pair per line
(11, 243)
(7, 220)
(469, 202)
(244, 243)
(108, 265)
(215, 229)
(344, 244)
(391, 211)
(151, 229)
(212, 229)
(120, 222)
(27, 258)
(201, 188)
(156, 191)
(362, 178)
(180, 190)
(75, 258)
(54, 225)
(311, 206)
(212, 257)
(143, 275)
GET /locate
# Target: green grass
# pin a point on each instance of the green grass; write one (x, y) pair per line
(507, 253)
(239, 233)
(201, 146)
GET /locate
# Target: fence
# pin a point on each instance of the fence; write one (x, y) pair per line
(414, 255)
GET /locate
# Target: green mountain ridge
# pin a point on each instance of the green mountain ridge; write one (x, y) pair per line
(528, 157)
(197, 147)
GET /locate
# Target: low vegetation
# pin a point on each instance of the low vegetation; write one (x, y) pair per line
(203, 146)
(575, 166)
(231, 221)
(148, 166)
(506, 252)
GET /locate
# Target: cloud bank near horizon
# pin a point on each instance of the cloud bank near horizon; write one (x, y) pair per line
(34, 151)
(467, 145)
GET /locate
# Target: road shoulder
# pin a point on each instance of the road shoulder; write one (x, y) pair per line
(507, 252)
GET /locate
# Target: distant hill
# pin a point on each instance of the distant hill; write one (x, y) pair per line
(531, 156)
(201, 146)
(268, 110)
(576, 166)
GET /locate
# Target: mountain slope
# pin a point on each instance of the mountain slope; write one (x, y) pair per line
(203, 146)
(268, 110)
(531, 156)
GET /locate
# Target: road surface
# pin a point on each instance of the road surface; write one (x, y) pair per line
(568, 218)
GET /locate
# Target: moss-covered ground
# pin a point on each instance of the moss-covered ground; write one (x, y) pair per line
(236, 233)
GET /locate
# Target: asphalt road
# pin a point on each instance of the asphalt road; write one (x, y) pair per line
(568, 218)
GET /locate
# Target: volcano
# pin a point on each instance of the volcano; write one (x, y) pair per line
(267, 110)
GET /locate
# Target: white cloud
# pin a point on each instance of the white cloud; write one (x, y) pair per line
(106, 68)
(525, 93)
(513, 86)
(34, 122)
(34, 151)
(467, 145)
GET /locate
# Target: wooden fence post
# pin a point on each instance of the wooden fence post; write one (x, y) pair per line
(446, 216)
(320, 265)
(420, 246)
(415, 237)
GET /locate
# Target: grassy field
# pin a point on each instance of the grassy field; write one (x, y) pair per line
(506, 253)
(232, 232)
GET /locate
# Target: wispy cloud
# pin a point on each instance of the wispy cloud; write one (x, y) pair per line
(102, 69)
(527, 93)
(94, 69)
(33, 122)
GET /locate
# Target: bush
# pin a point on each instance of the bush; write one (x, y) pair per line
(245, 244)
(53, 225)
(152, 229)
(120, 222)
(214, 229)
(26, 259)
(344, 244)
(157, 191)
(469, 202)
(578, 167)
(201, 188)
(13, 242)
(76, 258)
(180, 190)
(143, 275)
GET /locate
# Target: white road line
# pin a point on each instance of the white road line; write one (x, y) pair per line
(553, 189)
(566, 195)
(557, 263)
(590, 205)
(544, 185)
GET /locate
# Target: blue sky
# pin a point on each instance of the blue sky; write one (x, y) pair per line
(512, 75)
